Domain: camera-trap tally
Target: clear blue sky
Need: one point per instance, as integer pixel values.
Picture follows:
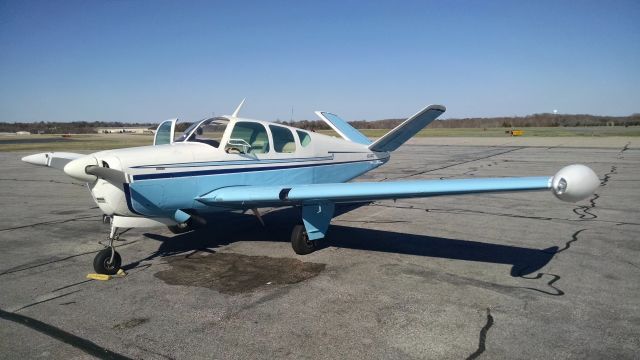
(145, 61)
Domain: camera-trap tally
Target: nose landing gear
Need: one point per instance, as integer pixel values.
(108, 261)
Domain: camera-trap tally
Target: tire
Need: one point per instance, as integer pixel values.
(180, 228)
(101, 262)
(300, 241)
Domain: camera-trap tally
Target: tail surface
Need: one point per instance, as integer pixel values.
(405, 131)
(343, 128)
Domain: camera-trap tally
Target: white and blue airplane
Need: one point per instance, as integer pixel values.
(230, 163)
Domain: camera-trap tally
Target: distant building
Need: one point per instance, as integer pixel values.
(119, 130)
(23, 133)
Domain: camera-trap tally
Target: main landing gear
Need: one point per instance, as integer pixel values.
(300, 241)
(315, 223)
(181, 227)
(108, 261)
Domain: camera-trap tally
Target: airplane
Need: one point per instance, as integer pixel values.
(230, 163)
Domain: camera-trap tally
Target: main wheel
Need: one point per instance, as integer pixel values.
(180, 228)
(103, 265)
(300, 241)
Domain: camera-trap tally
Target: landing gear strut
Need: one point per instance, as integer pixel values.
(108, 261)
(300, 241)
(181, 227)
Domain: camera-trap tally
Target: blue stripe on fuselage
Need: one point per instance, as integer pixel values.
(237, 170)
(232, 162)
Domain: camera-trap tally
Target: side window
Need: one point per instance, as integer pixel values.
(164, 133)
(248, 138)
(305, 138)
(283, 141)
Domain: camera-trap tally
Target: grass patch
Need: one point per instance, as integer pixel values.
(75, 142)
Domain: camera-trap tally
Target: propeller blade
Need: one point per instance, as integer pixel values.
(111, 175)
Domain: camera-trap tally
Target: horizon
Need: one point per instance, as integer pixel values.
(320, 120)
(146, 61)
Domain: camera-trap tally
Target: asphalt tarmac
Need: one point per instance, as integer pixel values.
(492, 276)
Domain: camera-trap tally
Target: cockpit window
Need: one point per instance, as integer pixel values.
(283, 141)
(248, 138)
(208, 132)
(305, 138)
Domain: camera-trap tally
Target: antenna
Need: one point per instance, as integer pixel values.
(235, 113)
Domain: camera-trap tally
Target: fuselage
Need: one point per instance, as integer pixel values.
(165, 178)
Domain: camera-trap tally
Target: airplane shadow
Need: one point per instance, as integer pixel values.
(230, 228)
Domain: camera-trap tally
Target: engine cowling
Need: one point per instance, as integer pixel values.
(574, 183)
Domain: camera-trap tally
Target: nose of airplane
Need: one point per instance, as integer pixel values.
(76, 168)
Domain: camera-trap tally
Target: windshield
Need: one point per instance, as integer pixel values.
(186, 133)
(208, 131)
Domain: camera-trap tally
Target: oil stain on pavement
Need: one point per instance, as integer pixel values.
(231, 273)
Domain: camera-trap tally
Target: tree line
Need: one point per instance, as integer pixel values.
(536, 120)
(75, 127)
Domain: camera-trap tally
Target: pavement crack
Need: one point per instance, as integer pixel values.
(374, 221)
(479, 212)
(71, 285)
(85, 345)
(464, 211)
(632, 264)
(46, 181)
(567, 245)
(19, 269)
(557, 291)
(625, 148)
(47, 299)
(483, 337)
(50, 222)
(550, 283)
(584, 211)
(456, 164)
(607, 176)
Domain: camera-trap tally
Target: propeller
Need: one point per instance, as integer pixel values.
(111, 175)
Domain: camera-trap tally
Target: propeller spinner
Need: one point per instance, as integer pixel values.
(86, 169)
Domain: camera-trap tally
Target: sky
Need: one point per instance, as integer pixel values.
(146, 61)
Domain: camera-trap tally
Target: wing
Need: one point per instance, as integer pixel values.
(571, 183)
(259, 196)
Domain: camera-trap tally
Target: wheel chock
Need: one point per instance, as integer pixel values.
(104, 277)
(101, 277)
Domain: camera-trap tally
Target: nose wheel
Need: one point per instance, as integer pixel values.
(108, 261)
